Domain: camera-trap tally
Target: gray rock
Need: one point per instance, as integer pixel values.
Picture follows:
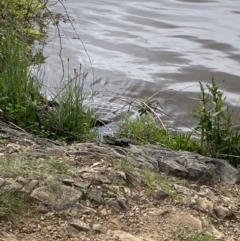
(61, 198)
(29, 186)
(79, 208)
(10, 185)
(96, 177)
(8, 237)
(189, 165)
(184, 164)
(96, 195)
(224, 213)
(118, 205)
(21, 180)
(99, 228)
(184, 190)
(159, 195)
(2, 182)
(79, 225)
(202, 204)
(186, 221)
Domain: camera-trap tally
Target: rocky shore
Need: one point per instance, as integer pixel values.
(96, 191)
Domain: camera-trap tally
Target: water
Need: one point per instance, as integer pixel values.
(140, 47)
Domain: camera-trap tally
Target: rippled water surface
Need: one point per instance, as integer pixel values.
(140, 47)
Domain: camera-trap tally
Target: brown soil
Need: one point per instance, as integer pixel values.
(150, 212)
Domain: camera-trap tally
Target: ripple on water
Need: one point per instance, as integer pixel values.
(139, 47)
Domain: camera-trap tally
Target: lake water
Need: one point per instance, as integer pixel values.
(140, 47)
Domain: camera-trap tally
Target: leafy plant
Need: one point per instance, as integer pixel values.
(219, 136)
(25, 16)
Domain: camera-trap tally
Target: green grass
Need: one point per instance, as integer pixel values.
(145, 130)
(19, 90)
(28, 168)
(189, 235)
(23, 104)
(13, 203)
(71, 119)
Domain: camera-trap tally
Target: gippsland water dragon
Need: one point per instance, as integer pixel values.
(113, 140)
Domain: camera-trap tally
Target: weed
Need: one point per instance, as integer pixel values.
(55, 188)
(24, 167)
(219, 136)
(71, 172)
(86, 194)
(125, 164)
(12, 168)
(211, 220)
(23, 104)
(145, 130)
(110, 194)
(19, 90)
(185, 183)
(71, 118)
(189, 235)
(149, 178)
(166, 187)
(59, 166)
(133, 177)
(13, 203)
(142, 129)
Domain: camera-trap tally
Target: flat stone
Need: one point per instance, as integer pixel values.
(96, 177)
(2, 181)
(8, 237)
(62, 198)
(184, 190)
(11, 185)
(96, 195)
(124, 236)
(79, 225)
(21, 180)
(159, 195)
(79, 208)
(99, 228)
(30, 186)
(186, 221)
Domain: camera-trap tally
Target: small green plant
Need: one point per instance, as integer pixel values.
(219, 136)
(211, 220)
(142, 129)
(111, 194)
(71, 172)
(87, 194)
(185, 183)
(190, 235)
